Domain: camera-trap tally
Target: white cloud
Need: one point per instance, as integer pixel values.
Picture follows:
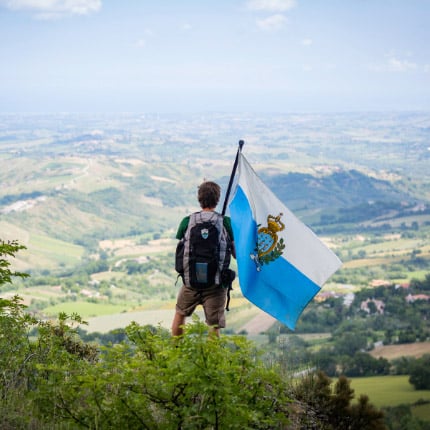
(49, 9)
(272, 5)
(307, 42)
(394, 64)
(272, 23)
(397, 65)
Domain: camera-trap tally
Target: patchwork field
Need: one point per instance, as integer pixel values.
(391, 352)
(242, 316)
(389, 390)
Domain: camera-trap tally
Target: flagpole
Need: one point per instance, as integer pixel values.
(233, 172)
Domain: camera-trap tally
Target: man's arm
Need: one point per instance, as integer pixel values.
(182, 228)
(228, 227)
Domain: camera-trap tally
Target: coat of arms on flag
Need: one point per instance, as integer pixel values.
(269, 246)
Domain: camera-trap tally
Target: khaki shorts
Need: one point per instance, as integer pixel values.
(212, 299)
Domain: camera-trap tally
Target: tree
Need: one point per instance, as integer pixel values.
(328, 407)
(420, 373)
(9, 249)
(401, 418)
(365, 416)
(424, 285)
(13, 326)
(372, 307)
(350, 343)
(363, 364)
(326, 361)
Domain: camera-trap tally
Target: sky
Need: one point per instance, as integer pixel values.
(173, 56)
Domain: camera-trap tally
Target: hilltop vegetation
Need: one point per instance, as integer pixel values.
(58, 381)
(52, 379)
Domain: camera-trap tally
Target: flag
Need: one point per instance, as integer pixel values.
(282, 264)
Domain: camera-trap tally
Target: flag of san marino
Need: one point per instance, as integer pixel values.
(282, 264)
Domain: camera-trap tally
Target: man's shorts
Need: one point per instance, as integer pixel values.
(212, 299)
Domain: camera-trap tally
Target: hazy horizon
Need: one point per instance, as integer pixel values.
(257, 56)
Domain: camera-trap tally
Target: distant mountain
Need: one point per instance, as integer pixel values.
(341, 189)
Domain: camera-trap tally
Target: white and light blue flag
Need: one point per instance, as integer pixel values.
(282, 264)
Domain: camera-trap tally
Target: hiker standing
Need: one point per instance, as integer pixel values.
(202, 260)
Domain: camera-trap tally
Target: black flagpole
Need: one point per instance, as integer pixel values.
(233, 172)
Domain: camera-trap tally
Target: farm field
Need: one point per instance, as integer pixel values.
(389, 390)
(390, 352)
(103, 315)
(242, 316)
(108, 322)
(84, 309)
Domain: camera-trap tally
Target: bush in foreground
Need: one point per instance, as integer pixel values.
(154, 381)
(149, 381)
(51, 379)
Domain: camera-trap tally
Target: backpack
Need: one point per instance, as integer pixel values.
(203, 255)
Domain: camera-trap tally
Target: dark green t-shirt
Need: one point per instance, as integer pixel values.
(184, 225)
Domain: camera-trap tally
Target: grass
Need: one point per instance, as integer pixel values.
(388, 390)
(13, 232)
(396, 246)
(43, 252)
(368, 262)
(107, 276)
(106, 323)
(85, 309)
(422, 412)
(239, 316)
(55, 249)
(414, 274)
(104, 317)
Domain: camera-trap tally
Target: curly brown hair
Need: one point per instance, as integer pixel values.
(209, 194)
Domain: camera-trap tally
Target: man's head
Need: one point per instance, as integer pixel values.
(208, 195)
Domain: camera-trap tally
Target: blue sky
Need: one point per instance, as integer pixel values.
(214, 55)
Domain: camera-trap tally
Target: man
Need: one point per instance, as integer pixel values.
(211, 297)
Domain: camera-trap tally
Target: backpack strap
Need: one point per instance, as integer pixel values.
(228, 277)
(227, 305)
